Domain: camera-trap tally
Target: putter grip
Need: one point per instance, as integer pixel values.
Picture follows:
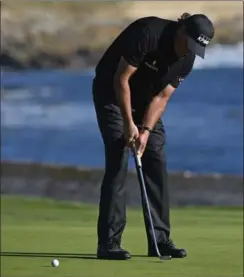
(137, 157)
(138, 160)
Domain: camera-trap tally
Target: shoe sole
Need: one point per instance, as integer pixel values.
(113, 258)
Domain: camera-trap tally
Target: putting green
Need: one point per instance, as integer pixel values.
(36, 230)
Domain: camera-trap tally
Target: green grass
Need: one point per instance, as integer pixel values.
(50, 229)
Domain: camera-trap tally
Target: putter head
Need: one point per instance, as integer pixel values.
(165, 258)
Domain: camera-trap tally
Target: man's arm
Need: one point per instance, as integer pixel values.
(135, 48)
(157, 107)
(159, 102)
(122, 88)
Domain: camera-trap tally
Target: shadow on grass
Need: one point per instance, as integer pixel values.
(49, 255)
(55, 255)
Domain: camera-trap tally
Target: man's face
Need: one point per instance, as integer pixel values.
(181, 42)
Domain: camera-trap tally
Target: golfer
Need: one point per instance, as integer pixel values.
(134, 81)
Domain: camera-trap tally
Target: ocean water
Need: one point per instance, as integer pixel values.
(48, 116)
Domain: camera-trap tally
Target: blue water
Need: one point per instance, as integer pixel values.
(48, 117)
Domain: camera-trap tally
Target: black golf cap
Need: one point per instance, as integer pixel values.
(200, 31)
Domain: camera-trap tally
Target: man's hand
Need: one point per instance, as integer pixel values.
(141, 142)
(131, 133)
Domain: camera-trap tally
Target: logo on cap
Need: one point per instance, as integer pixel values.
(203, 39)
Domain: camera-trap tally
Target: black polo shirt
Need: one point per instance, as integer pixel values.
(148, 45)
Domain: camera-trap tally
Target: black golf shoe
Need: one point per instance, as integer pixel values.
(167, 248)
(112, 251)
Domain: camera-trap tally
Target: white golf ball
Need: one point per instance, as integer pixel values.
(55, 263)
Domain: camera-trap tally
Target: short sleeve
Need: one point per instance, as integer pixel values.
(187, 68)
(177, 81)
(136, 46)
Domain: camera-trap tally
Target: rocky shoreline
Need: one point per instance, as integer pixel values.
(83, 185)
(80, 59)
(49, 36)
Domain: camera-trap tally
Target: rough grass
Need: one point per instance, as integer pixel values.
(36, 230)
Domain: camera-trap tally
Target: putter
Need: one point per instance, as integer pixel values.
(138, 164)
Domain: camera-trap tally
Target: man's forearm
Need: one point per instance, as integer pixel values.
(154, 111)
(124, 98)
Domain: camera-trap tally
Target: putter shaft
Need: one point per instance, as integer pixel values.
(143, 187)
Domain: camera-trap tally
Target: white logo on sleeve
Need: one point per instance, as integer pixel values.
(203, 39)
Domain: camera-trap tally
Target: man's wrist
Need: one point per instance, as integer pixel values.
(145, 128)
(128, 122)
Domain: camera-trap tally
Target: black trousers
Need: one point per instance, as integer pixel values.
(112, 208)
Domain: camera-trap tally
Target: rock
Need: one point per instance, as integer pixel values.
(8, 62)
(75, 35)
(45, 60)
